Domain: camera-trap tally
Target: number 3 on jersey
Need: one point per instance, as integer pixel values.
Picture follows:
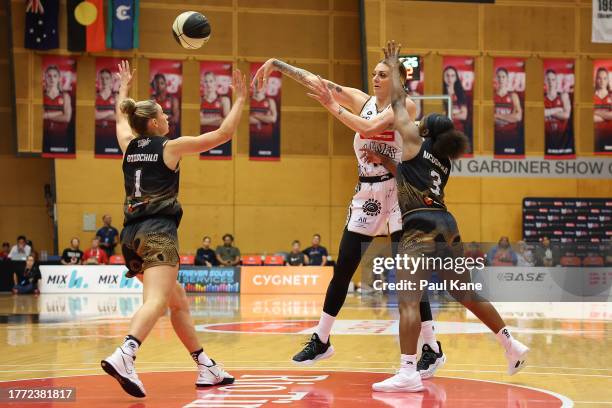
(437, 181)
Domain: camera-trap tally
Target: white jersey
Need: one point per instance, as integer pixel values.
(388, 143)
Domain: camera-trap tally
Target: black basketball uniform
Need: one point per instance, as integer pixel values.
(152, 211)
(428, 227)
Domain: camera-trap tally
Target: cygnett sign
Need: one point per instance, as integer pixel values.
(285, 279)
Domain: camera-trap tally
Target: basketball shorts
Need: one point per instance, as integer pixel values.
(374, 209)
(150, 242)
(432, 232)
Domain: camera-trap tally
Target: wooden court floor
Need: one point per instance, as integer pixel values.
(60, 339)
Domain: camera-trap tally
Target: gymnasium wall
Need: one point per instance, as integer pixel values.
(22, 180)
(487, 208)
(264, 204)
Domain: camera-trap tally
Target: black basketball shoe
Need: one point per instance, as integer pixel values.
(430, 361)
(314, 350)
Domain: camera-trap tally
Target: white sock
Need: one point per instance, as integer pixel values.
(325, 325)
(504, 338)
(429, 335)
(130, 346)
(408, 363)
(200, 357)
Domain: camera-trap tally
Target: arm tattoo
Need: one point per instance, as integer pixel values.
(298, 74)
(331, 85)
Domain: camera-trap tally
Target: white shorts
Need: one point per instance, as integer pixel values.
(374, 209)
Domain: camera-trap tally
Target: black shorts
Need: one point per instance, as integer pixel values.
(430, 232)
(150, 242)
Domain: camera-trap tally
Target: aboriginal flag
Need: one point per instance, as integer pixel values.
(86, 25)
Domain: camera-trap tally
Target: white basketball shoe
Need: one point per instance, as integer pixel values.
(401, 382)
(213, 375)
(516, 356)
(120, 365)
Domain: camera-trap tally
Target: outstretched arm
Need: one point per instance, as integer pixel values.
(402, 122)
(351, 98)
(124, 131)
(176, 148)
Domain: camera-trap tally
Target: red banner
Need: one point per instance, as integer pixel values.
(559, 83)
(215, 103)
(509, 99)
(166, 89)
(417, 88)
(458, 83)
(264, 118)
(107, 87)
(59, 77)
(602, 106)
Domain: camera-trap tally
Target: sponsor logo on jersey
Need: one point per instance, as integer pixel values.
(387, 136)
(144, 142)
(372, 207)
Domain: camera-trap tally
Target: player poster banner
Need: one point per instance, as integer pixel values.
(166, 89)
(458, 83)
(509, 100)
(602, 107)
(416, 87)
(59, 79)
(602, 21)
(264, 118)
(559, 83)
(215, 103)
(107, 87)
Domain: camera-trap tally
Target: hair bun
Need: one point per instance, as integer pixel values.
(128, 106)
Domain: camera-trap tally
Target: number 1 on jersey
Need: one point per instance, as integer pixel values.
(137, 192)
(437, 181)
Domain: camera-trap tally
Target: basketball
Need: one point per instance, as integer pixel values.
(191, 29)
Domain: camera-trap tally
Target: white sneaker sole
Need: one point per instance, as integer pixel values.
(386, 388)
(328, 354)
(128, 385)
(518, 363)
(425, 374)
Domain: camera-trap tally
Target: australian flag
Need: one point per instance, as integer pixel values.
(122, 28)
(41, 32)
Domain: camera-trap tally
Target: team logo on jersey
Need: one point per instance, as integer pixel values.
(372, 207)
(144, 142)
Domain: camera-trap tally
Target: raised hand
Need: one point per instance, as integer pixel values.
(125, 76)
(239, 85)
(260, 79)
(320, 92)
(392, 52)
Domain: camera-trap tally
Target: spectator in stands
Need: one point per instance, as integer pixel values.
(546, 254)
(473, 252)
(296, 257)
(6, 249)
(316, 253)
(524, 256)
(502, 254)
(206, 256)
(95, 255)
(72, 255)
(108, 236)
(29, 282)
(227, 254)
(33, 252)
(21, 250)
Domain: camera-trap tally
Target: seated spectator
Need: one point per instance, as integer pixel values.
(473, 252)
(108, 236)
(524, 256)
(95, 255)
(316, 253)
(21, 250)
(29, 282)
(6, 249)
(72, 255)
(206, 256)
(502, 254)
(546, 254)
(227, 254)
(33, 252)
(296, 257)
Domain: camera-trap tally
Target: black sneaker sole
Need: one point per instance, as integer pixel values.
(329, 353)
(127, 385)
(226, 381)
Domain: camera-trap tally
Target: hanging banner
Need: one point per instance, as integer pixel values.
(602, 22)
(602, 107)
(264, 118)
(215, 103)
(107, 87)
(458, 83)
(59, 77)
(166, 89)
(415, 81)
(509, 99)
(558, 109)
